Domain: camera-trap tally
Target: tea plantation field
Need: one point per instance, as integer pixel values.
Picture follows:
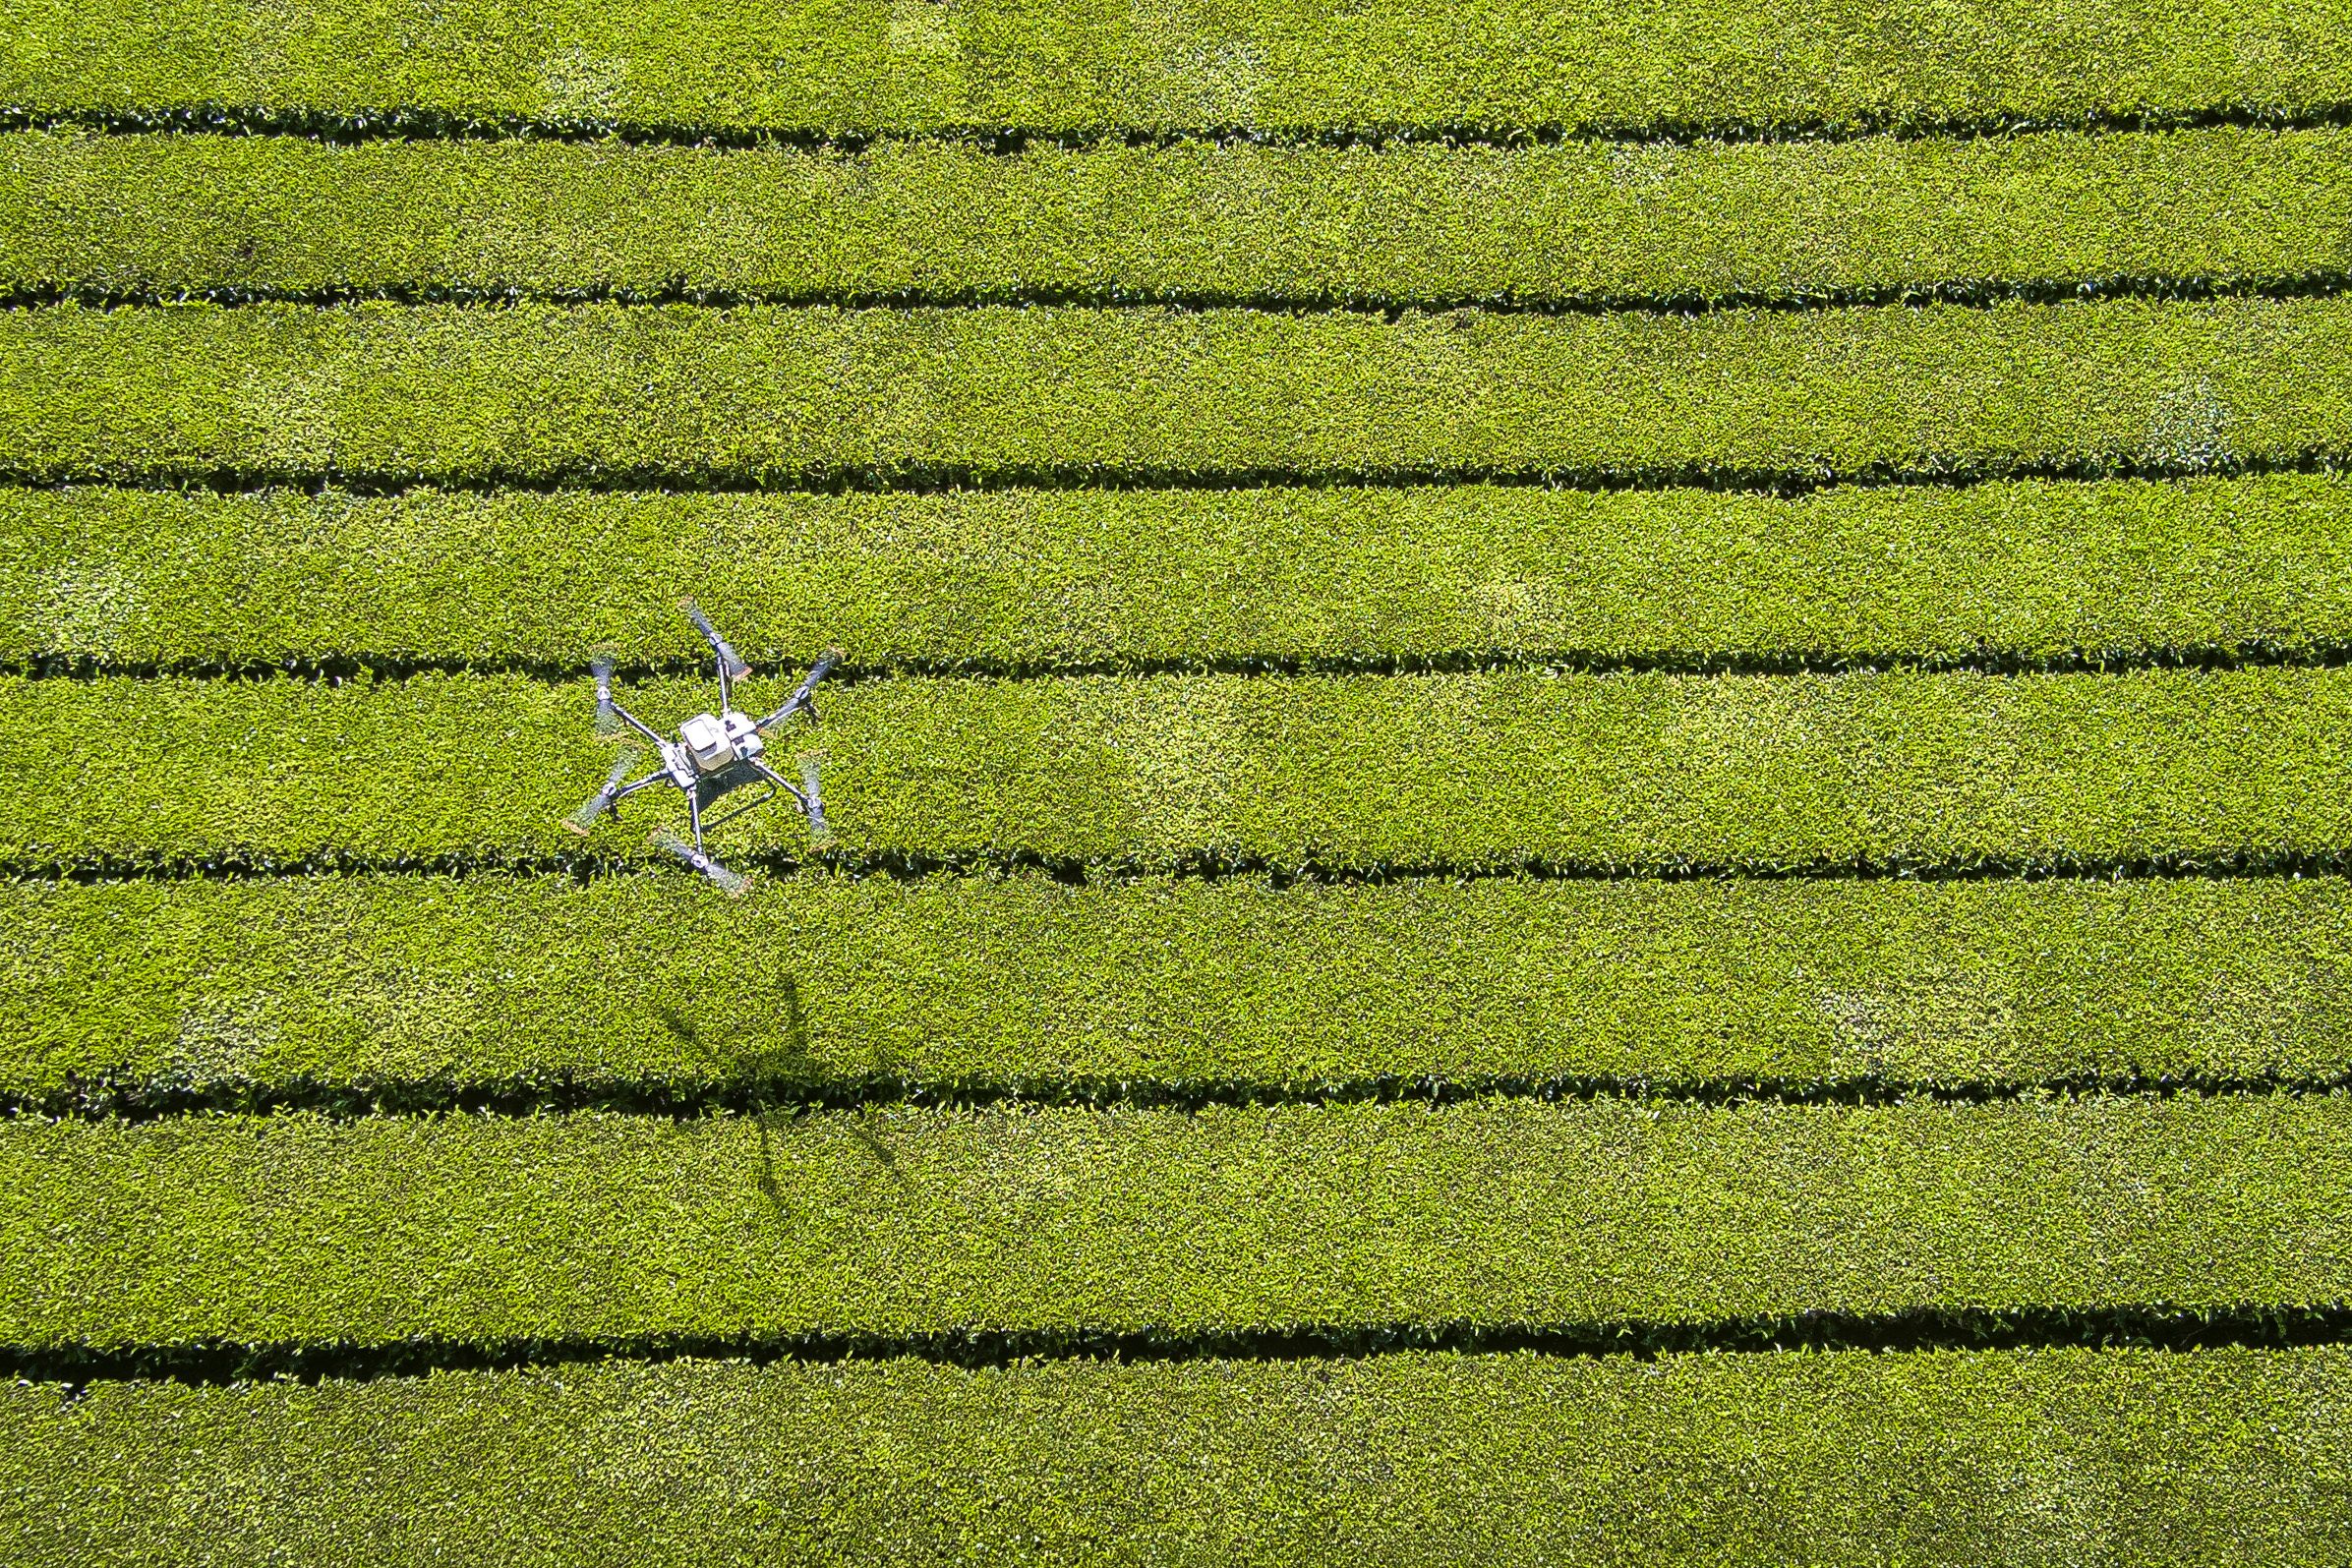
(1590, 790)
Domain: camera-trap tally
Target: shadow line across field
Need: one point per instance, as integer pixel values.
(341, 668)
(1944, 471)
(390, 123)
(1980, 293)
(2111, 1327)
(769, 1091)
(1198, 866)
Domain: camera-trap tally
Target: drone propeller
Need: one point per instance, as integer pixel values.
(601, 802)
(815, 802)
(608, 722)
(731, 883)
(729, 660)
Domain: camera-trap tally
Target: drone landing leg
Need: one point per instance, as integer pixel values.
(658, 775)
(811, 807)
(777, 779)
(694, 812)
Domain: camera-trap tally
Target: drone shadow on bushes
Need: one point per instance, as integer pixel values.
(772, 1076)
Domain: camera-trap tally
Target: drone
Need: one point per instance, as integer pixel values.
(713, 755)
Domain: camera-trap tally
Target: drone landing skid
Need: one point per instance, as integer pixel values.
(713, 788)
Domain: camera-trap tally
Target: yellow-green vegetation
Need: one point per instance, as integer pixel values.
(682, 394)
(1019, 581)
(420, 989)
(1625, 773)
(2019, 1457)
(918, 1221)
(859, 65)
(1591, 783)
(1574, 221)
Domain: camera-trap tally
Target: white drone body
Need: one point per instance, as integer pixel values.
(714, 753)
(709, 742)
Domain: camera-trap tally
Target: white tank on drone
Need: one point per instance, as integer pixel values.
(720, 741)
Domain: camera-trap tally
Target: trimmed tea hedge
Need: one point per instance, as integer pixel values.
(162, 214)
(822, 984)
(898, 1220)
(2222, 1456)
(1027, 580)
(146, 1248)
(1276, 64)
(1627, 773)
(684, 394)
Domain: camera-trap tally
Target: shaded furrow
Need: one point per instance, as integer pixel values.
(337, 669)
(100, 1096)
(164, 868)
(1966, 293)
(408, 124)
(1976, 1331)
(1936, 472)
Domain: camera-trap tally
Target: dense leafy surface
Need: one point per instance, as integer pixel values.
(904, 1220)
(1029, 579)
(592, 374)
(2052, 1458)
(1580, 220)
(446, 392)
(1278, 64)
(1351, 771)
(824, 983)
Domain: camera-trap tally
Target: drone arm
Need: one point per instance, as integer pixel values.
(638, 724)
(731, 663)
(802, 698)
(583, 821)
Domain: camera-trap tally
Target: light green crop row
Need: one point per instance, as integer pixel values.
(2038, 1458)
(1348, 771)
(648, 982)
(1029, 580)
(1276, 64)
(164, 213)
(898, 1220)
(443, 392)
